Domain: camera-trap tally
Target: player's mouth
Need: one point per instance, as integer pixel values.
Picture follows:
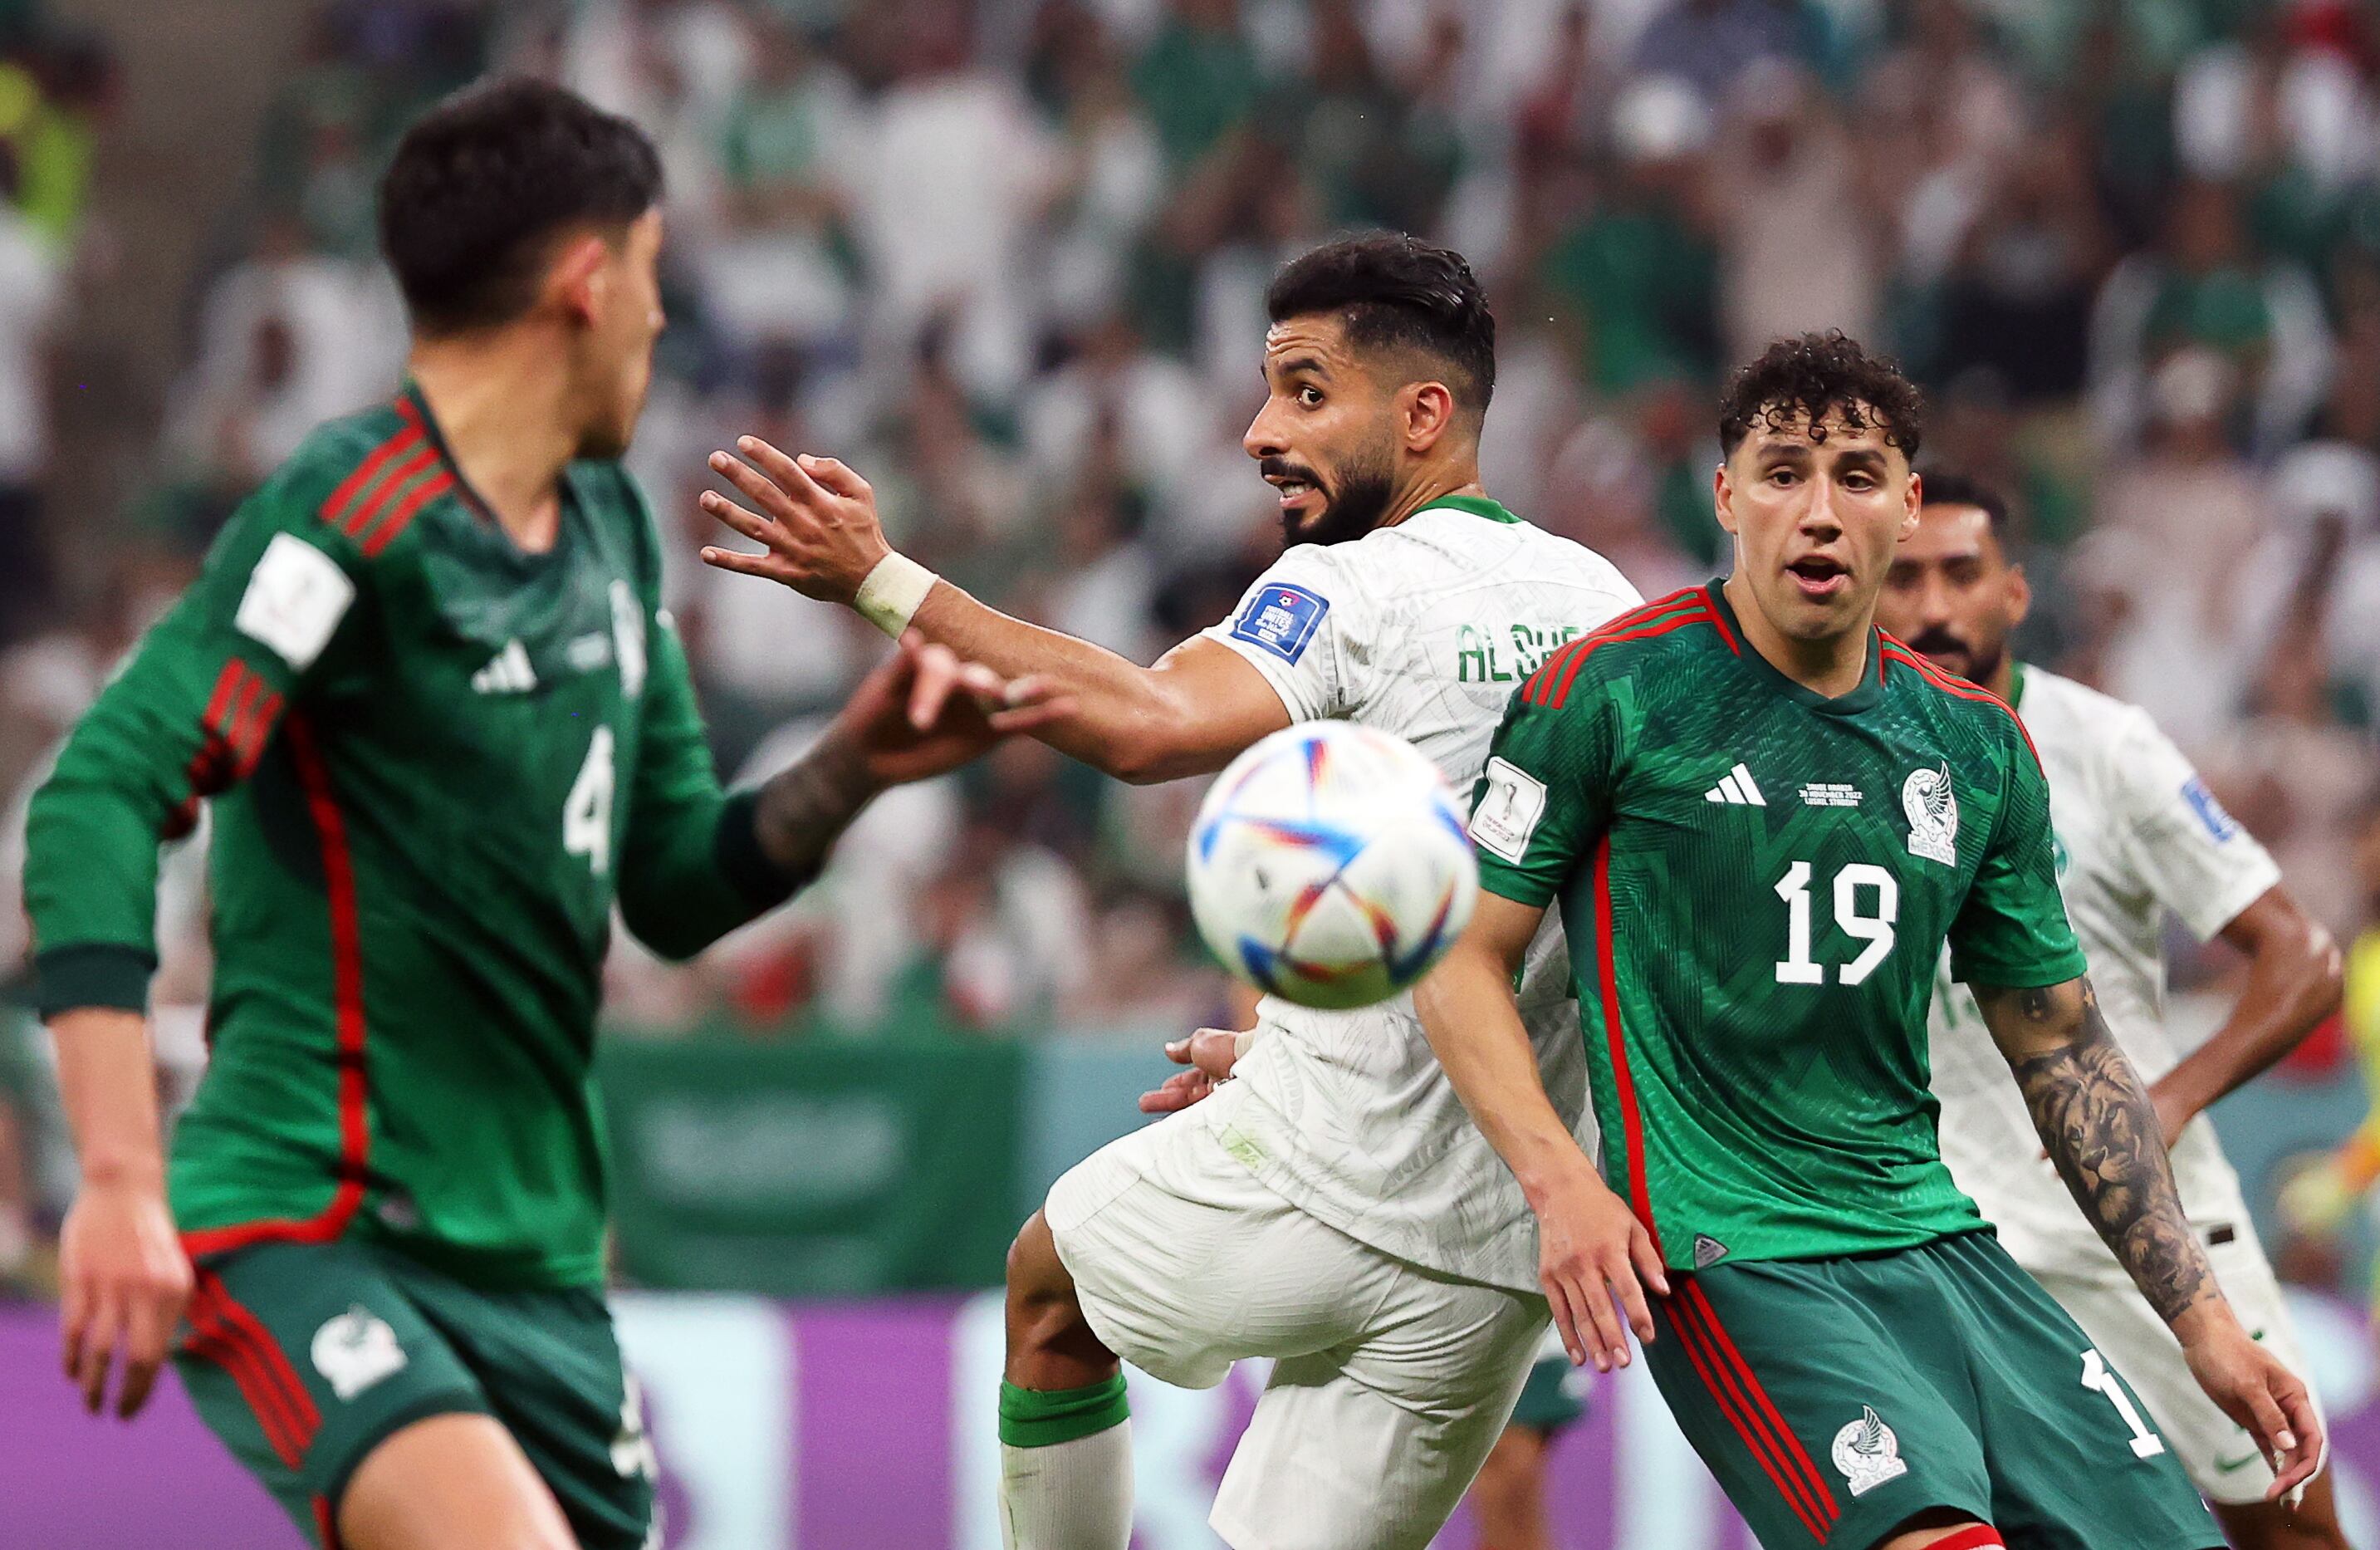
(1821, 578)
(1300, 496)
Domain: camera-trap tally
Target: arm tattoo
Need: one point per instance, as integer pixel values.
(2102, 1131)
(805, 807)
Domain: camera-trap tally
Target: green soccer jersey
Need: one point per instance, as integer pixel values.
(438, 762)
(1756, 883)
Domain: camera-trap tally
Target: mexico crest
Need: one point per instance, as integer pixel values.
(1867, 1452)
(1933, 812)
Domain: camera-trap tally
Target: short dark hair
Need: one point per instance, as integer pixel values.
(483, 183)
(1397, 292)
(1949, 487)
(1816, 375)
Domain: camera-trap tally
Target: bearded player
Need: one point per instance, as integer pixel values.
(2136, 834)
(1332, 1208)
(446, 727)
(1763, 821)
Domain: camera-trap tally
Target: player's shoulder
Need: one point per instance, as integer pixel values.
(2057, 708)
(1951, 702)
(1640, 645)
(343, 485)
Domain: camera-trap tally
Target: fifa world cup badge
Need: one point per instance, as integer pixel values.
(1867, 1452)
(1933, 812)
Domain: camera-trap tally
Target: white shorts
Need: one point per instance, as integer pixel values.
(1389, 1383)
(2218, 1451)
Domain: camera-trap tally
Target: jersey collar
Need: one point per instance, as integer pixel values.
(472, 500)
(1871, 681)
(1477, 505)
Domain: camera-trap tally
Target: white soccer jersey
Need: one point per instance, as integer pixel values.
(2137, 833)
(1423, 630)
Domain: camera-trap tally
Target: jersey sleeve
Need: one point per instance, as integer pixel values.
(189, 715)
(2012, 931)
(1546, 795)
(1302, 626)
(691, 867)
(2193, 857)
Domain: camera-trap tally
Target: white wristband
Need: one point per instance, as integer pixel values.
(893, 593)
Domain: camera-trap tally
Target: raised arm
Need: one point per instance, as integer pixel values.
(1591, 1249)
(2101, 1130)
(1190, 713)
(2295, 980)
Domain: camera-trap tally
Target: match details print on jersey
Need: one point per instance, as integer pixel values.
(1754, 879)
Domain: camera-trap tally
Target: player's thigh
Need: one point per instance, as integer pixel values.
(1371, 1446)
(2076, 1462)
(549, 1365)
(303, 1359)
(1183, 1262)
(450, 1483)
(2220, 1456)
(1801, 1387)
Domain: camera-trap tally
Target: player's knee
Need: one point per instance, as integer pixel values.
(1514, 1473)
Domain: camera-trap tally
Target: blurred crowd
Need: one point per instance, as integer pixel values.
(1007, 259)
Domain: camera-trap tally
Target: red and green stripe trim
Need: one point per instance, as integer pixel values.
(234, 729)
(227, 1334)
(1949, 683)
(1744, 1402)
(388, 489)
(349, 1019)
(1615, 1040)
(1551, 685)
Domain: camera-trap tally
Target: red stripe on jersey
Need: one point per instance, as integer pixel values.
(1809, 1472)
(1560, 695)
(1975, 1536)
(1607, 965)
(1718, 619)
(377, 498)
(348, 1000)
(1531, 691)
(1952, 684)
(326, 1526)
(336, 509)
(1756, 1442)
(396, 520)
(259, 1340)
(213, 1339)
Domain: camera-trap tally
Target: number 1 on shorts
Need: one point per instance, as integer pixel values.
(2095, 1375)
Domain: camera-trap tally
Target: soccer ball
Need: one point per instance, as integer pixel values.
(1329, 865)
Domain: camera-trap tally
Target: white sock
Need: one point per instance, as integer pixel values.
(1070, 1495)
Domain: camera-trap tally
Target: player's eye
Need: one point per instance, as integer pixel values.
(1309, 397)
(1782, 475)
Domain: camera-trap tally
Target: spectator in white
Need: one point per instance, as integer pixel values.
(1799, 244)
(31, 293)
(1151, 407)
(781, 142)
(1110, 170)
(2203, 286)
(2250, 107)
(287, 339)
(945, 187)
(2194, 508)
(2333, 483)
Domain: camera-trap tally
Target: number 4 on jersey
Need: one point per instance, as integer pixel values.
(586, 811)
(1799, 968)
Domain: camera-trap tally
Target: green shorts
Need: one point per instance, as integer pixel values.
(303, 1358)
(1834, 1399)
(1555, 1395)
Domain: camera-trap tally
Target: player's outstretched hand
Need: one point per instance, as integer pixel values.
(923, 712)
(124, 1281)
(2255, 1390)
(1209, 1055)
(814, 519)
(1593, 1252)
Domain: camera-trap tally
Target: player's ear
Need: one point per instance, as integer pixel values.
(1722, 493)
(581, 280)
(1915, 495)
(2019, 594)
(1428, 412)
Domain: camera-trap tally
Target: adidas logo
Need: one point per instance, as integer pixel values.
(507, 673)
(1737, 789)
(1708, 1251)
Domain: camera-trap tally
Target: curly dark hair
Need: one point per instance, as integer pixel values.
(1398, 292)
(1816, 375)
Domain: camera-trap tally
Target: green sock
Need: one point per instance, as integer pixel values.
(1043, 1418)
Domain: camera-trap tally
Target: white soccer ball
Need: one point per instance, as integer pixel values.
(1329, 865)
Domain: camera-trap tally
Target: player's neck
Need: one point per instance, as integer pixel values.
(1433, 485)
(501, 409)
(1831, 665)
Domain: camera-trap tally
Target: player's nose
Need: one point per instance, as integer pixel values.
(1263, 438)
